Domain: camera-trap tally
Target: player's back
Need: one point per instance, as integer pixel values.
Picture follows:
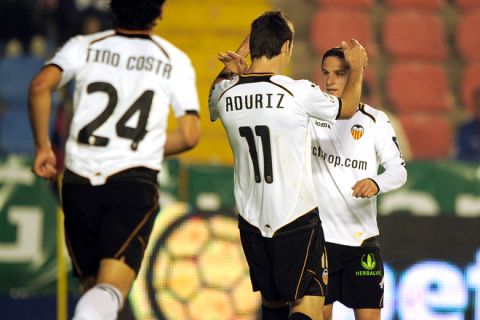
(124, 85)
(267, 125)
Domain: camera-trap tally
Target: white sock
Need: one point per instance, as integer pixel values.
(102, 302)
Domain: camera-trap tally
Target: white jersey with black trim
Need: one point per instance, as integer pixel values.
(124, 87)
(344, 153)
(266, 118)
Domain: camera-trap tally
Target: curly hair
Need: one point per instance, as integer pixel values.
(136, 14)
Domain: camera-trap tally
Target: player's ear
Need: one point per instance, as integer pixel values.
(286, 47)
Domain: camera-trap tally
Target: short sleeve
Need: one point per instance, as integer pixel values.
(184, 90)
(68, 59)
(318, 104)
(215, 94)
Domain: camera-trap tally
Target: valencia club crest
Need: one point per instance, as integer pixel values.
(357, 131)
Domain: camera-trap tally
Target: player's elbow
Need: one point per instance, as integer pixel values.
(191, 137)
(45, 81)
(37, 86)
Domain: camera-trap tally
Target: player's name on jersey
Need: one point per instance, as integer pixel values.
(254, 101)
(130, 63)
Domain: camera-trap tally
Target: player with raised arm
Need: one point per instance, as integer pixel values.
(346, 156)
(266, 117)
(125, 81)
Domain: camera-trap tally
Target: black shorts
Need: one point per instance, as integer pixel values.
(113, 220)
(290, 265)
(356, 275)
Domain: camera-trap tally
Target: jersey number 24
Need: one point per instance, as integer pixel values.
(142, 104)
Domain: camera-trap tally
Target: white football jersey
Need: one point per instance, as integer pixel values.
(266, 117)
(124, 86)
(344, 153)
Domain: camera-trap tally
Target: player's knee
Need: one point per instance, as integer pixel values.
(279, 313)
(299, 316)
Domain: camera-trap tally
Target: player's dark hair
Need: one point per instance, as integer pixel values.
(334, 52)
(135, 14)
(268, 34)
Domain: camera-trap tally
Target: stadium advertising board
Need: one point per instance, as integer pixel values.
(27, 231)
(194, 269)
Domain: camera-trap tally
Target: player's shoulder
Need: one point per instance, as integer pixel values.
(94, 37)
(376, 115)
(287, 81)
(86, 40)
(172, 51)
(299, 88)
(224, 85)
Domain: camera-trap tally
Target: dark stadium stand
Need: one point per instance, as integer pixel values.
(15, 75)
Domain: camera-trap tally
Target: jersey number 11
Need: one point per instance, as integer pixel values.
(264, 133)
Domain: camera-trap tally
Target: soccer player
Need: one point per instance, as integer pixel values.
(346, 156)
(266, 117)
(125, 81)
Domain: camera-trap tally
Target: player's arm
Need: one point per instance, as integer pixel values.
(185, 137)
(39, 108)
(234, 62)
(357, 59)
(395, 174)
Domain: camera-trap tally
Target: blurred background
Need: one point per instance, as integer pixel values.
(424, 71)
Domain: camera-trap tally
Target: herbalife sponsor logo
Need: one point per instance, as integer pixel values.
(368, 263)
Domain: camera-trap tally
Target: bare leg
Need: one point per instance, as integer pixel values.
(367, 314)
(311, 306)
(116, 273)
(328, 312)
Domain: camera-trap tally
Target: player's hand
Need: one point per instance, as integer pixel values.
(45, 163)
(233, 62)
(355, 54)
(244, 48)
(364, 188)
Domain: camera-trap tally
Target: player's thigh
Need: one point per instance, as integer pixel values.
(257, 251)
(300, 261)
(80, 204)
(311, 306)
(367, 314)
(362, 284)
(129, 211)
(336, 268)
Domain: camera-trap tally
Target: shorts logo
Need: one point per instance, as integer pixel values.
(357, 131)
(368, 263)
(325, 276)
